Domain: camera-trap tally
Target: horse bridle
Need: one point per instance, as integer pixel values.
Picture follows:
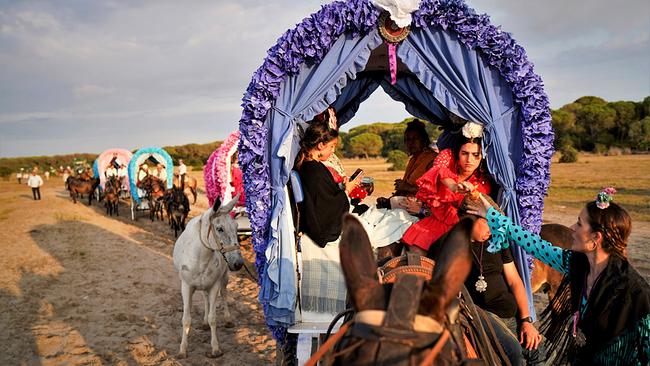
(222, 249)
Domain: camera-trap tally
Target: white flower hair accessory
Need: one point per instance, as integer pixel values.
(472, 130)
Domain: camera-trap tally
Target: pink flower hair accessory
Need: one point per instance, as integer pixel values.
(605, 197)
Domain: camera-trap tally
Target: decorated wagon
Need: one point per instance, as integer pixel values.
(223, 180)
(150, 173)
(444, 62)
(113, 162)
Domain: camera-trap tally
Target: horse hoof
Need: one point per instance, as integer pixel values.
(229, 324)
(182, 355)
(215, 354)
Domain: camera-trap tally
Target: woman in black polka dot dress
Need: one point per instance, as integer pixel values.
(600, 314)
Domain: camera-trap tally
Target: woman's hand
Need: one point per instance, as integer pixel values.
(412, 205)
(529, 336)
(478, 207)
(465, 187)
(350, 185)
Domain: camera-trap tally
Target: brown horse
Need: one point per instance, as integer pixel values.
(112, 196)
(189, 183)
(389, 330)
(78, 186)
(544, 277)
(154, 192)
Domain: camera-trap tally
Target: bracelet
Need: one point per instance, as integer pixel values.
(526, 320)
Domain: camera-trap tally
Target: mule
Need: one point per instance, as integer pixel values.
(78, 186)
(178, 207)
(189, 182)
(154, 191)
(389, 330)
(544, 277)
(112, 196)
(203, 254)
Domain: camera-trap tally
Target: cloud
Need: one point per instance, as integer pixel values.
(171, 73)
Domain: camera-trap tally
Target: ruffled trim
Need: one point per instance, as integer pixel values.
(139, 157)
(624, 349)
(499, 226)
(217, 170)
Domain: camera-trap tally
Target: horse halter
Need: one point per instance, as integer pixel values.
(221, 248)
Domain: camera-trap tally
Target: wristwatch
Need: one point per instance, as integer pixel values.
(526, 320)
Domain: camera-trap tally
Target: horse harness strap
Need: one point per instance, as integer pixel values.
(421, 324)
(329, 344)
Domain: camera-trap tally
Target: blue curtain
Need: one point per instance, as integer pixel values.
(301, 97)
(466, 85)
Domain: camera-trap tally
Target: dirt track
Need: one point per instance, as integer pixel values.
(80, 288)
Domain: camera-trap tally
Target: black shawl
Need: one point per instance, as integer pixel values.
(324, 204)
(614, 322)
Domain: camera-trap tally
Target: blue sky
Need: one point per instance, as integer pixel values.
(84, 76)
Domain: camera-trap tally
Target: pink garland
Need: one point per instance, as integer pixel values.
(217, 169)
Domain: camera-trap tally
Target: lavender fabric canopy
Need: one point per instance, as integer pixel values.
(454, 59)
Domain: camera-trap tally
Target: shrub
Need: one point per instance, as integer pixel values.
(600, 149)
(398, 158)
(569, 154)
(614, 151)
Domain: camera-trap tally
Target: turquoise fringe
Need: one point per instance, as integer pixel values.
(624, 349)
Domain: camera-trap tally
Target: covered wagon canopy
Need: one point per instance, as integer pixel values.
(121, 156)
(217, 170)
(451, 60)
(155, 154)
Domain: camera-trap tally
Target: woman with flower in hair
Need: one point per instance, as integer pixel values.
(455, 172)
(601, 312)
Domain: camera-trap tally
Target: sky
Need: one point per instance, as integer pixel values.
(85, 76)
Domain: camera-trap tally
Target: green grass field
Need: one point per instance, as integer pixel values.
(571, 184)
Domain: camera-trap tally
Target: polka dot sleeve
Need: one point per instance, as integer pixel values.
(504, 231)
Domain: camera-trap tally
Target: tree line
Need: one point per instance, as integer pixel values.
(592, 124)
(194, 155)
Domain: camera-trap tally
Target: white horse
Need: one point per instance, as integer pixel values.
(202, 256)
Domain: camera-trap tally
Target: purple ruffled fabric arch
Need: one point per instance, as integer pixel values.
(310, 40)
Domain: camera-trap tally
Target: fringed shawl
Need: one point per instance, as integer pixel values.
(615, 321)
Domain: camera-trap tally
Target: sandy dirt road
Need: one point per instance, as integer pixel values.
(80, 288)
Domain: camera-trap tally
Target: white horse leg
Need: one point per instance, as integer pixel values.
(212, 320)
(186, 292)
(206, 301)
(224, 297)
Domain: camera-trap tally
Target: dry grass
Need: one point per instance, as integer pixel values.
(571, 184)
(576, 183)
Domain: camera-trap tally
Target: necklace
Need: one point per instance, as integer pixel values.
(480, 284)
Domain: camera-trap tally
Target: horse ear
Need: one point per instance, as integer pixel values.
(229, 206)
(217, 204)
(452, 268)
(359, 267)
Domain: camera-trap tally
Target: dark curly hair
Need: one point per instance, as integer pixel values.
(318, 132)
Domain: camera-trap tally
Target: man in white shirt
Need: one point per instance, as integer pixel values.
(182, 169)
(122, 173)
(35, 182)
(161, 173)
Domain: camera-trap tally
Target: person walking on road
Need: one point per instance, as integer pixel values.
(35, 182)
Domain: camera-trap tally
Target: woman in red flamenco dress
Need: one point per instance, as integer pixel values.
(455, 172)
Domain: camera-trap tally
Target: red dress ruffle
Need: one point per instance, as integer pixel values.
(441, 200)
